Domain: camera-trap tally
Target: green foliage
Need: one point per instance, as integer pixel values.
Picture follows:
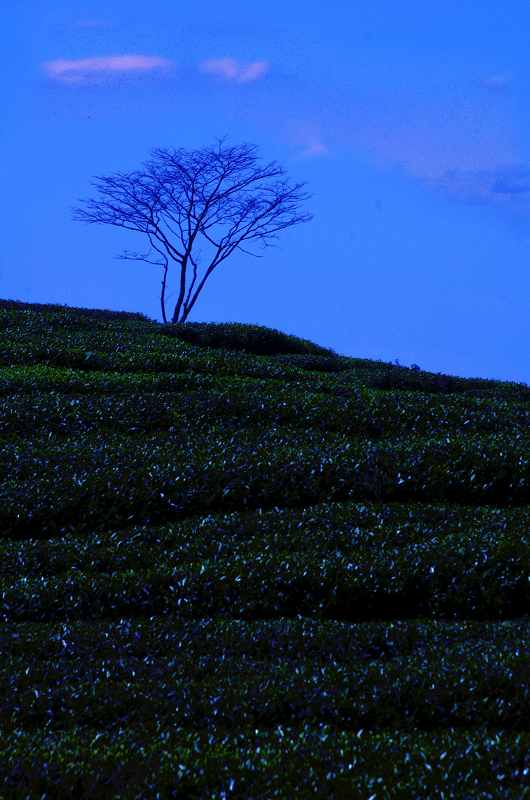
(332, 565)
(236, 564)
(67, 315)
(255, 339)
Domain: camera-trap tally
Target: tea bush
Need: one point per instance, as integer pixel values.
(236, 564)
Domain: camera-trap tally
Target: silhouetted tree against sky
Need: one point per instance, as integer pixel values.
(184, 200)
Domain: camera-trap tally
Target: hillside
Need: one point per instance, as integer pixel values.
(235, 564)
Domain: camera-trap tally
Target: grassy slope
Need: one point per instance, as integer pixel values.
(279, 571)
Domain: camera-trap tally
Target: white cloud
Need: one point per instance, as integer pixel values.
(80, 70)
(231, 70)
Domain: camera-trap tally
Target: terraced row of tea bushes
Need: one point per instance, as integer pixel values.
(268, 639)
(256, 339)
(367, 412)
(31, 334)
(36, 379)
(126, 358)
(98, 340)
(418, 413)
(149, 356)
(25, 415)
(53, 333)
(453, 685)
(329, 529)
(54, 328)
(389, 377)
(471, 575)
(111, 481)
(72, 314)
(293, 760)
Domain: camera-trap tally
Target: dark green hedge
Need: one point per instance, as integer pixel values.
(256, 339)
(69, 311)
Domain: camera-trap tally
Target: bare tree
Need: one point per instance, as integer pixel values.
(216, 197)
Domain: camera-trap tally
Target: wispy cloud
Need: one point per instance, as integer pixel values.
(467, 148)
(499, 186)
(231, 70)
(306, 135)
(82, 70)
(472, 186)
(515, 180)
(315, 149)
(498, 83)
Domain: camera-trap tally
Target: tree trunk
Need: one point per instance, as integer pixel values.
(178, 304)
(187, 308)
(163, 295)
(185, 314)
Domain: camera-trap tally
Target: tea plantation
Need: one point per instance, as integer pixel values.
(234, 564)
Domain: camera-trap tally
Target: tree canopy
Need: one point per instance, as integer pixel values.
(196, 207)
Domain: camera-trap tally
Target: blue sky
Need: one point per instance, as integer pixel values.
(411, 127)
